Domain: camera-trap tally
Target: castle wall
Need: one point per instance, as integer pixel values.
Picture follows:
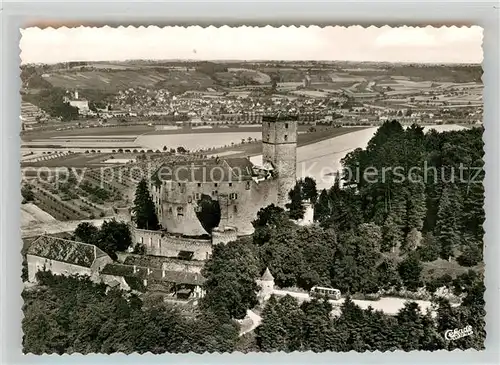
(223, 235)
(176, 201)
(99, 263)
(158, 243)
(177, 266)
(108, 279)
(239, 200)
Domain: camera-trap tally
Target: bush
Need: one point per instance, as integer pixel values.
(470, 257)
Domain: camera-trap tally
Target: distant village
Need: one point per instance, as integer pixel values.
(427, 103)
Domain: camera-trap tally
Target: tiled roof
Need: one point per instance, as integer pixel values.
(59, 249)
(213, 170)
(178, 277)
(267, 275)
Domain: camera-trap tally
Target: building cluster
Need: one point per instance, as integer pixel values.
(213, 106)
(173, 257)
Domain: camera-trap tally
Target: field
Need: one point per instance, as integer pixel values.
(32, 214)
(113, 80)
(239, 73)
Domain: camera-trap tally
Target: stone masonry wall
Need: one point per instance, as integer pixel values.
(239, 202)
(224, 235)
(279, 148)
(158, 243)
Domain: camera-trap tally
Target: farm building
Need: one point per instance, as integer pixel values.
(64, 257)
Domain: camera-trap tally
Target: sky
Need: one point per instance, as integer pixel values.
(385, 44)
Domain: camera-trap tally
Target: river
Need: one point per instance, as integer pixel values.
(322, 159)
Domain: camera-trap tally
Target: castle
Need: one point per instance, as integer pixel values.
(240, 187)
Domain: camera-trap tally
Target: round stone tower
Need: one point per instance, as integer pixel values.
(279, 150)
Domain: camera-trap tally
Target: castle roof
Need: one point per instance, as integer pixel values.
(213, 170)
(267, 275)
(59, 249)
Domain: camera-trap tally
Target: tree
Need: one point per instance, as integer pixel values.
(447, 229)
(269, 220)
(472, 254)
(394, 225)
(387, 275)
(86, 232)
(144, 208)
(72, 314)
(323, 206)
(27, 193)
(413, 239)
(409, 270)
(296, 207)
(416, 209)
(430, 249)
(230, 286)
(309, 191)
(114, 236)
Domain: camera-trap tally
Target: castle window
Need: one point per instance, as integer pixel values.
(170, 210)
(235, 208)
(247, 185)
(197, 196)
(180, 211)
(286, 137)
(286, 125)
(230, 184)
(199, 185)
(190, 199)
(268, 136)
(215, 184)
(233, 196)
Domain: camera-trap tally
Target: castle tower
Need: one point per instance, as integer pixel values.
(266, 284)
(279, 150)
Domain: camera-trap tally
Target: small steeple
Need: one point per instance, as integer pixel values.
(267, 275)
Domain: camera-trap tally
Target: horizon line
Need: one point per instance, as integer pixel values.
(436, 63)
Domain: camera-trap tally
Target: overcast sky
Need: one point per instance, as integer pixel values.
(445, 44)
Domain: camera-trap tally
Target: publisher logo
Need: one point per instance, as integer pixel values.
(455, 334)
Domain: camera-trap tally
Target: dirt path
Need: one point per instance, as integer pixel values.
(32, 214)
(256, 320)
